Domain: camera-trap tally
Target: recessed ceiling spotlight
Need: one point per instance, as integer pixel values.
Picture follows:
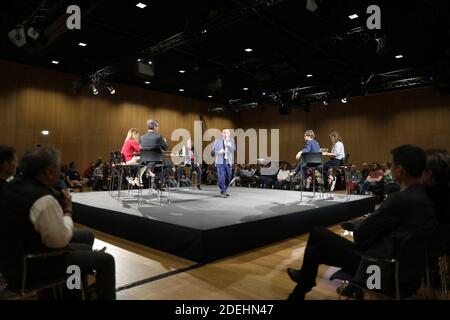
(141, 5)
(248, 50)
(399, 56)
(55, 62)
(45, 132)
(209, 96)
(309, 75)
(82, 44)
(353, 16)
(181, 90)
(181, 71)
(245, 89)
(147, 82)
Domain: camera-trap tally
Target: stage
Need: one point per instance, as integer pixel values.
(201, 226)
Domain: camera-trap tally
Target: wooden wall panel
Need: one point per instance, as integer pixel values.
(371, 126)
(84, 126)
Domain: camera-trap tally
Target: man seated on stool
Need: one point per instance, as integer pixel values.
(311, 146)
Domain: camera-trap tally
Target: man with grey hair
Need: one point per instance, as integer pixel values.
(40, 217)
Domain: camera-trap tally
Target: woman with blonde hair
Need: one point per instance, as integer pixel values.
(131, 147)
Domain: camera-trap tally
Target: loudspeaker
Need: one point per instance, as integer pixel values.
(145, 70)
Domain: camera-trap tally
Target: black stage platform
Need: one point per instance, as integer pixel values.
(201, 226)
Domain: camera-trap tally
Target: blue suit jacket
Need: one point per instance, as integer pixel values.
(220, 158)
(311, 146)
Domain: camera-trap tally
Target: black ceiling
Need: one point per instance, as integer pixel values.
(288, 42)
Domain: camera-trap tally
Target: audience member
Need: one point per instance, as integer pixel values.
(41, 218)
(406, 213)
(8, 164)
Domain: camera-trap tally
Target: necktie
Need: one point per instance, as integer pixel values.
(225, 156)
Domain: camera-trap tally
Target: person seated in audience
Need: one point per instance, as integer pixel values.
(365, 171)
(247, 176)
(283, 177)
(268, 175)
(436, 178)
(235, 174)
(98, 175)
(8, 164)
(74, 179)
(355, 178)
(211, 175)
(375, 176)
(41, 218)
(406, 213)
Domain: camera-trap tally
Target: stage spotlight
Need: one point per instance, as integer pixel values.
(76, 87)
(17, 36)
(326, 102)
(32, 33)
(344, 100)
(94, 89)
(110, 89)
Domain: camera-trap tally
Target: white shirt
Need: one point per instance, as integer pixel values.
(49, 221)
(283, 174)
(338, 150)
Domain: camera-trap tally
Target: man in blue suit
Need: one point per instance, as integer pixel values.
(311, 146)
(224, 152)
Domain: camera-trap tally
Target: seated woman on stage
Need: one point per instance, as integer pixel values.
(131, 150)
(131, 147)
(337, 153)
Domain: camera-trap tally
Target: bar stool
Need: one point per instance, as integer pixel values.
(311, 160)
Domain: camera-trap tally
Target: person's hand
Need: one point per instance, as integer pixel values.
(222, 151)
(298, 155)
(67, 200)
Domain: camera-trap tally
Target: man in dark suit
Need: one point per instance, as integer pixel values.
(406, 213)
(152, 146)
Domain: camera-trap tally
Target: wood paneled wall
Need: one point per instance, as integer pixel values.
(371, 126)
(84, 126)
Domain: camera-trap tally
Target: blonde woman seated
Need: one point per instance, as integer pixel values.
(131, 151)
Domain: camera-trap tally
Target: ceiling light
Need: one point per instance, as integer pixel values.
(82, 44)
(245, 89)
(204, 31)
(344, 100)
(248, 50)
(55, 61)
(139, 60)
(94, 89)
(209, 96)
(149, 62)
(45, 132)
(111, 89)
(263, 93)
(353, 16)
(181, 90)
(147, 82)
(399, 56)
(309, 75)
(181, 71)
(141, 5)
